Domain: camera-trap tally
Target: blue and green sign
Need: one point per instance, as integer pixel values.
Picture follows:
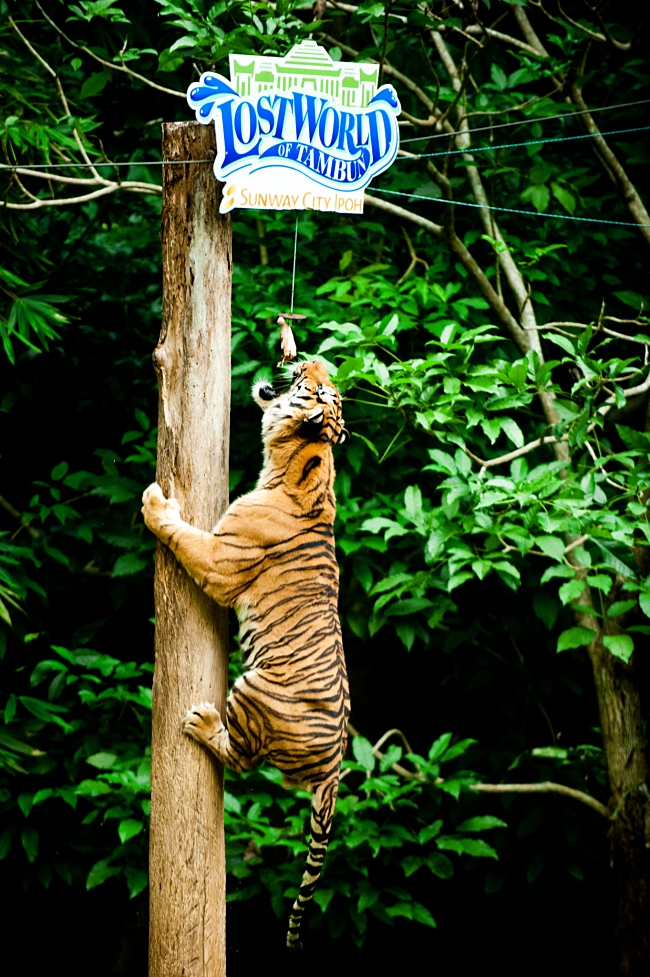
(299, 132)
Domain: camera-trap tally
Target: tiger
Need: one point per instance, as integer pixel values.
(272, 558)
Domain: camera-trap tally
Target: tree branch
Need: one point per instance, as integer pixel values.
(397, 211)
(7, 506)
(612, 166)
(66, 201)
(546, 787)
(524, 450)
(414, 258)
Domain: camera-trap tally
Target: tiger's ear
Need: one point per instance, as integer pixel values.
(263, 393)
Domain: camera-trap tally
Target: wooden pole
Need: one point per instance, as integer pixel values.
(192, 361)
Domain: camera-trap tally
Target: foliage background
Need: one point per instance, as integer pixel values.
(443, 631)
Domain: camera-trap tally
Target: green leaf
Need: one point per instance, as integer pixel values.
(29, 838)
(540, 197)
(323, 897)
(137, 880)
(412, 863)
(498, 76)
(420, 914)
(129, 828)
(100, 871)
(17, 746)
(475, 847)
(367, 899)
(513, 431)
(129, 563)
(59, 471)
(392, 755)
(440, 745)
(571, 590)
(567, 199)
(484, 823)
(429, 832)
(644, 602)
(545, 607)
(103, 761)
(440, 865)
(362, 749)
(6, 842)
(611, 560)
(620, 645)
(231, 803)
(94, 84)
(92, 788)
(561, 341)
(620, 607)
(632, 299)
(553, 546)
(575, 638)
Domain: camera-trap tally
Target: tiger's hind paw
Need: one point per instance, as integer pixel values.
(202, 722)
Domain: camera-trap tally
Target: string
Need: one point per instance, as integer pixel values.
(509, 210)
(295, 252)
(81, 166)
(442, 135)
(525, 120)
(530, 142)
(439, 135)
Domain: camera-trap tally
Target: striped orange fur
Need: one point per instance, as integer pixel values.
(272, 558)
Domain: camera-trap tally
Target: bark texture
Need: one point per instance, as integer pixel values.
(626, 753)
(192, 361)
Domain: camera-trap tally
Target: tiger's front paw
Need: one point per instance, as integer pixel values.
(202, 722)
(161, 515)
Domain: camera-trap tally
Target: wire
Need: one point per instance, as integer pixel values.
(524, 121)
(81, 166)
(531, 142)
(440, 135)
(509, 210)
(295, 252)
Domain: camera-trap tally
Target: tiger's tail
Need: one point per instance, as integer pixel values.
(322, 814)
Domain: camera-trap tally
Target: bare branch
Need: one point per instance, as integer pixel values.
(414, 258)
(15, 514)
(594, 35)
(612, 166)
(397, 767)
(66, 201)
(526, 29)
(498, 36)
(546, 787)
(30, 48)
(576, 542)
(557, 327)
(630, 392)
(56, 177)
(404, 214)
(517, 453)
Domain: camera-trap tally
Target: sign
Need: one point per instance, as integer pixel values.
(302, 132)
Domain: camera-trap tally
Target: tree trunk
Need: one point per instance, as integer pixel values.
(624, 742)
(626, 756)
(192, 361)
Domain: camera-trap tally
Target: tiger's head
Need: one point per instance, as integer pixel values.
(309, 409)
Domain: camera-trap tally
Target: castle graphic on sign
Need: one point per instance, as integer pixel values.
(302, 132)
